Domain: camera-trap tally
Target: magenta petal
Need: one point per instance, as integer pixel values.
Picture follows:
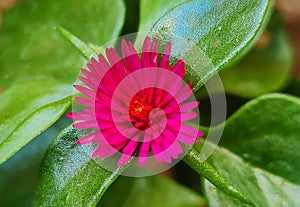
(104, 151)
(145, 59)
(184, 93)
(80, 116)
(154, 54)
(130, 147)
(85, 101)
(86, 124)
(123, 160)
(164, 63)
(117, 139)
(178, 68)
(174, 150)
(130, 57)
(87, 139)
(103, 66)
(143, 155)
(88, 83)
(189, 106)
(186, 139)
(189, 130)
(85, 91)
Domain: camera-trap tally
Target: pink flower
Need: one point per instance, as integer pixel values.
(139, 105)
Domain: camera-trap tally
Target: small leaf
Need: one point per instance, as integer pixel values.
(267, 68)
(148, 192)
(220, 30)
(27, 109)
(69, 176)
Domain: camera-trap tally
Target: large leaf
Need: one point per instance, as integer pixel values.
(221, 30)
(18, 176)
(27, 109)
(265, 134)
(267, 68)
(33, 49)
(69, 176)
(148, 192)
(265, 189)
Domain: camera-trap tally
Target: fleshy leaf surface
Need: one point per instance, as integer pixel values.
(69, 176)
(265, 69)
(206, 34)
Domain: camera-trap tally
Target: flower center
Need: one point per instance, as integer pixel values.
(139, 110)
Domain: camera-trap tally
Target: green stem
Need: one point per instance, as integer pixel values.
(210, 173)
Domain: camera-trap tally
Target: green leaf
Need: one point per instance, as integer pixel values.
(27, 109)
(34, 50)
(220, 30)
(86, 51)
(267, 68)
(264, 188)
(148, 192)
(205, 169)
(68, 176)
(264, 133)
(18, 176)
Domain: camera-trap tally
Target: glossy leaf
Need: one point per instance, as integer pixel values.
(264, 133)
(34, 50)
(148, 192)
(220, 30)
(264, 188)
(270, 136)
(68, 176)
(267, 68)
(211, 173)
(27, 109)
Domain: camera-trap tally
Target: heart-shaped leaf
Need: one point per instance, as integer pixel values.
(267, 68)
(33, 49)
(161, 191)
(220, 30)
(69, 176)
